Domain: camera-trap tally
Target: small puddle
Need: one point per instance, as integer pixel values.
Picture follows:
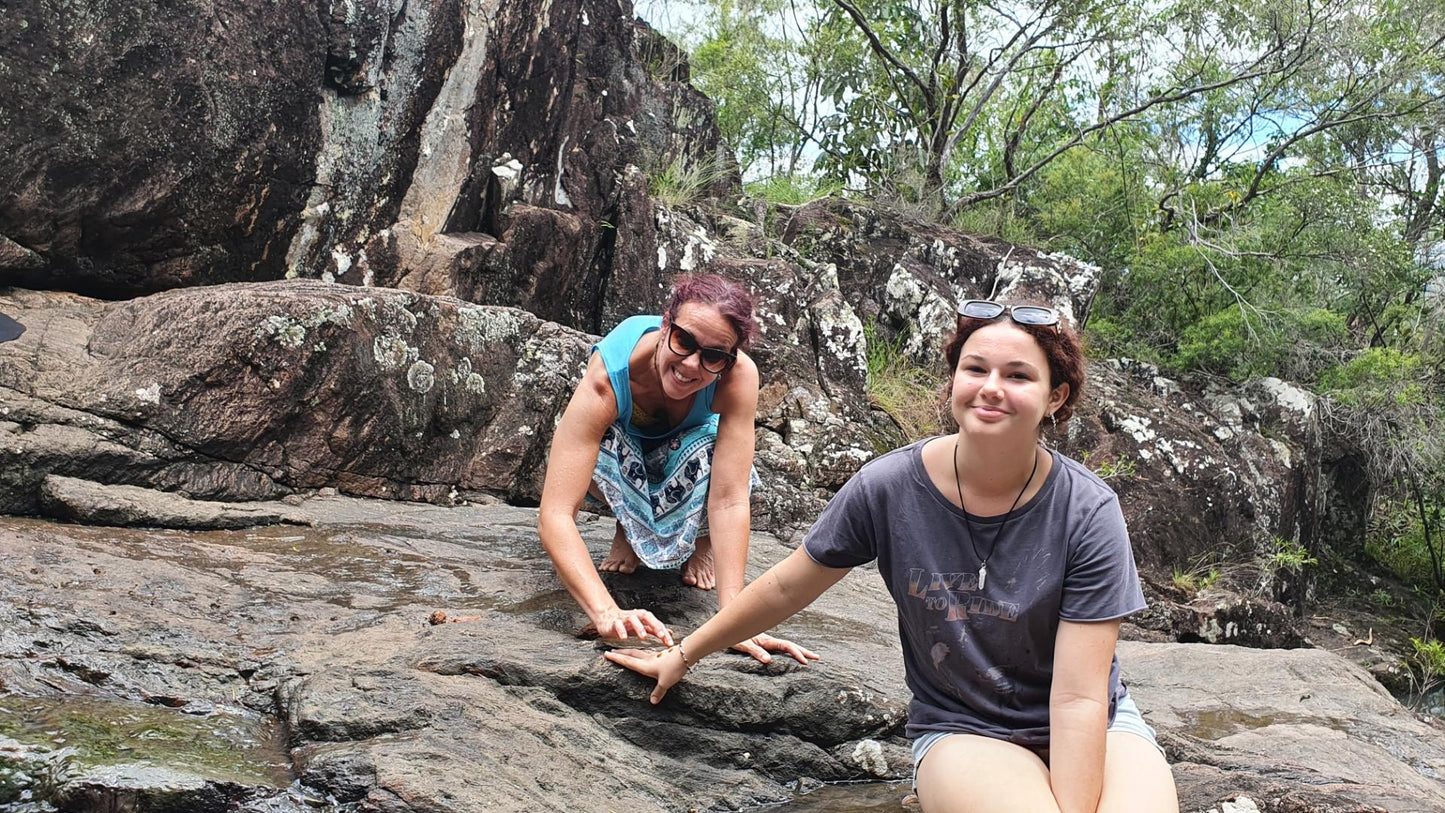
(851, 797)
(1220, 723)
(233, 747)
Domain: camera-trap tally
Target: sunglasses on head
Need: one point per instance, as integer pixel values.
(714, 360)
(1022, 314)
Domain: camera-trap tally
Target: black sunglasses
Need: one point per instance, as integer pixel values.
(684, 344)
(1022, 314)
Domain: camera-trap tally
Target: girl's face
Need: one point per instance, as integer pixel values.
(1001, 384)
(684, 375)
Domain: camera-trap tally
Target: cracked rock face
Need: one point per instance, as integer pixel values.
(465, 147)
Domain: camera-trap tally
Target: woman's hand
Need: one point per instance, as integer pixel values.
(759, 646)
(666, 667)
(619, 624)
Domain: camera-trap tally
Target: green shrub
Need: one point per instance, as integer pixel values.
(792, 190)
(1291, 556)
(1241, 345)
(1376, 377)
(1428, 659)
(1396, 540)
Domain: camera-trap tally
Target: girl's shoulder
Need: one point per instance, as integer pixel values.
(1083, 485)
(889, 467)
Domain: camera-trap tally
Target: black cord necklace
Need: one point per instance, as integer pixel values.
(958, 482)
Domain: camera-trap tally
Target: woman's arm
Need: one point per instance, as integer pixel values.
(570, 463)
(1079, 712)
(729, 505)
(729, 512)
(786, 588)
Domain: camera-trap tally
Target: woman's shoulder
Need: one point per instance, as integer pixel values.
(632, 327)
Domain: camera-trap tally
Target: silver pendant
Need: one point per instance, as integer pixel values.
(982, 574)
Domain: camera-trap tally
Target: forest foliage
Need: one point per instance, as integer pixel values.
(1260, 180)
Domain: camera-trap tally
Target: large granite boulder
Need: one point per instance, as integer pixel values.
(249, 391)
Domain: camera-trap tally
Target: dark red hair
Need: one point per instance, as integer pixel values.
(1059, 343)
(731, 300)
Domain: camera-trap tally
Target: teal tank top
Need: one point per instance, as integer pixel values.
(616, 348)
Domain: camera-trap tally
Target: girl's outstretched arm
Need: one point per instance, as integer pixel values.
(786, 588)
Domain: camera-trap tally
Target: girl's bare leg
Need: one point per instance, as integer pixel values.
(1136, 777)
(966, 773)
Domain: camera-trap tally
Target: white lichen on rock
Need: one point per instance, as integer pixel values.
(1138, 428)
(841, 333)
(392, 352)
(149, 395)
(421, 376)
(478, 328)
(909, 301)
(697, 245)
(1289, 396)
(284, 330)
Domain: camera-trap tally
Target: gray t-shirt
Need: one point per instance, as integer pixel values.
(980, 661)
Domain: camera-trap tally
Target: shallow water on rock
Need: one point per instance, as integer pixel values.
(225, 746)
(852, 797)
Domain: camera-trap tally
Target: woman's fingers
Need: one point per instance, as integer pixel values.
(798, 653)
(650, 625)
(638, 624)
(638, 660)
(751, 649)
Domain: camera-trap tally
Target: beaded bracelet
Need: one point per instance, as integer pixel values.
(686, 664)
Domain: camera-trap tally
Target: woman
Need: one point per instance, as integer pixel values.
(661, 429)
(1009, 609)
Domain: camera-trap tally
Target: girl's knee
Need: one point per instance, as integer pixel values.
(972, 774)
(1137, 778)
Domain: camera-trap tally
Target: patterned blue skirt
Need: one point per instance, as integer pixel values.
(659, 493)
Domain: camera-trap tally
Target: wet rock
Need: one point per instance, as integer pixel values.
(380, 705)
(1300, 726)
(325, 627)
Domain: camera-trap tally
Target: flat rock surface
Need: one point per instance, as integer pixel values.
(325, 631)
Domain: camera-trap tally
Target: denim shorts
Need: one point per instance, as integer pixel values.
(1126, 718)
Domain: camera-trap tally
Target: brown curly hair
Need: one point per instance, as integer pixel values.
(1059, 343)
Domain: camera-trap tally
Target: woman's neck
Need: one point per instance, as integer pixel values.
(643, 370)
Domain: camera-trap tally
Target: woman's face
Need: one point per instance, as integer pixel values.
(684, 375)
(1001, 384)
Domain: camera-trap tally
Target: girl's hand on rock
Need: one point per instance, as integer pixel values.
(666, 667)
(621, 625)
(759, 646)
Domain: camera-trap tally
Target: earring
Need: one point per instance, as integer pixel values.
(1053, 419)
